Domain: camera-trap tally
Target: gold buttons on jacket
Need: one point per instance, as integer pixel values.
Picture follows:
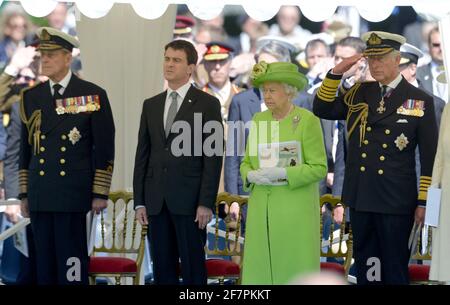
(63, 149)
(63, 137)
(42, 136)
(385, 145)
(62, 173)
(382, 158)
(363, 169)
(42, 173)
(42, 148)
(387, 131)
(62, 161)
(366, 142)
(369, 128)
(41, 161)
(364, 155)
(380, 172)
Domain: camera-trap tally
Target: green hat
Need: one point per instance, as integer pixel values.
(282, 72)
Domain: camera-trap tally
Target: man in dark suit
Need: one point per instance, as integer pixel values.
(386, 120)
(176, 182)
(66, 160)
(427, 75)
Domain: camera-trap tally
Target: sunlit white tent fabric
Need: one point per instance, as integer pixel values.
(261, 10)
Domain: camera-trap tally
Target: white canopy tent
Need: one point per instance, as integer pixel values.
(122, 47)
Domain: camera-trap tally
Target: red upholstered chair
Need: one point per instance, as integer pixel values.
(219, 268)
(339, 243)
(122, 237)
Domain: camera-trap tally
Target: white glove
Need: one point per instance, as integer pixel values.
(256, 178)
(274, 174)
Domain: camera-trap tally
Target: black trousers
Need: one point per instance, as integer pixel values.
(61, 248)
(382, 237)
(175, 238)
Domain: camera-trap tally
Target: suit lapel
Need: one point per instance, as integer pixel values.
(186, 105)
(49, 115)
(255, 99)
(395, 100)
(159, 115)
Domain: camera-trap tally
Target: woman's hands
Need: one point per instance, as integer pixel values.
(267, 176)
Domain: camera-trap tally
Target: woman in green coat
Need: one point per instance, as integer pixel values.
(285, 160)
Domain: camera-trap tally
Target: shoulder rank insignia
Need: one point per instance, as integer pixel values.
(412, 107)
(74, 135)
(78, 104)
(401, 142)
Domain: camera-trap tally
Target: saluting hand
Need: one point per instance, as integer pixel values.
(346, 64)
(99, 204)
(204, 215)
(12, 213)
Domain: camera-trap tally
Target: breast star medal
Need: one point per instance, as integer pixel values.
(74, 135)
(401, 142)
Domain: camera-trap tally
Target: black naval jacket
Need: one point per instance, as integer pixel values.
(56, 175)
(380, 172)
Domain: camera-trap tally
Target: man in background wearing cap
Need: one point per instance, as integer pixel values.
(184, 26)
(386, 120)
(408, 68)
(217, 60)
(66, 160)
(428, 74)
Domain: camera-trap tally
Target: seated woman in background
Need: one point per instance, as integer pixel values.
(285, 160)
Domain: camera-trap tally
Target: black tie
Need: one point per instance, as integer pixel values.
(384, 90)
(56, 94)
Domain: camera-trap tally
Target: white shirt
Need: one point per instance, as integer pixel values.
(263, 105)
(392, 85)
(64, 83)
(245, 42)
(222, 94)
(439, 89)
(182, 91)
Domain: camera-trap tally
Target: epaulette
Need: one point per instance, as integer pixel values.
(22, 108)
(33, 123)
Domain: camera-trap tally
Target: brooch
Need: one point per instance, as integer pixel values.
(295, 121)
